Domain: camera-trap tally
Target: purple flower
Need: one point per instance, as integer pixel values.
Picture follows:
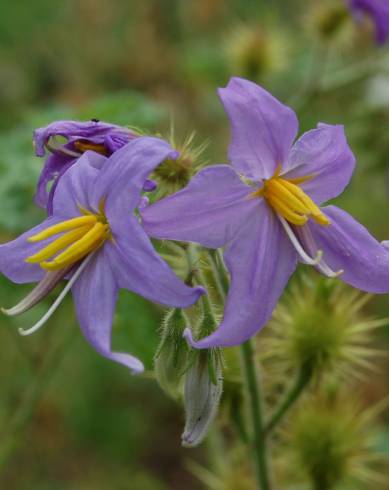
(378, 11)
(270, 226)
(79, 137)
(94, 240)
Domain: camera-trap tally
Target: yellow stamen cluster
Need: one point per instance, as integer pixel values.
(84, 145)
(290, 201)
(80, 237)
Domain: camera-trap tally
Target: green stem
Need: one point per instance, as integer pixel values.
(254, 395)
(291, 397)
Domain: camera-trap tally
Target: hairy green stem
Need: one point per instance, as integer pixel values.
(254, 396)
(291, 397)
(253, 391)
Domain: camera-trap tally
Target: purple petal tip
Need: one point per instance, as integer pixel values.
(149, 185)
(137, 368)
(200, 290)
(188, 337)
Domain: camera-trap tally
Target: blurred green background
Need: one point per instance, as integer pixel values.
(68, 418)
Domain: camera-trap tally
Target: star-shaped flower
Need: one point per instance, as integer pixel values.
(94, 239)
(267, 227)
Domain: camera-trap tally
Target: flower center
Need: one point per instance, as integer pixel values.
(80, 236)
(290, 201)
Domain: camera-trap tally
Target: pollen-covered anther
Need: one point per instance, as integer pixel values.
(85, 145)
(291, 202)
(83, 235)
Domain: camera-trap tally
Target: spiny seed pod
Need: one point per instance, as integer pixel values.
(174, 174)
(171, 359)
(203, 389)
(331, 440)
(253, 53)
(319, 326)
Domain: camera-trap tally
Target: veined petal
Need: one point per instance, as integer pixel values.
(324, 154)
(349, 246)
(263, 129)
(208, 211)
(13, 255)
(137, 267)
(121, 181)
(76, 185)
(95, 295)
(260, 259)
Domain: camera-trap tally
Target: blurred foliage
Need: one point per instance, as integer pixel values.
(68, 418)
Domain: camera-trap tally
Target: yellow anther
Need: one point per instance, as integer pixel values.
(314, 209)
(58, 245)
(321, 219)
(289, 200)
(64, 226)
(84, 145)
(90, 241)
(284, 210)
(279, 189)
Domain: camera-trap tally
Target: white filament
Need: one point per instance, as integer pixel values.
(322, 265)
(299, 249)
(327, 271)
(58, 301)
(54, 145)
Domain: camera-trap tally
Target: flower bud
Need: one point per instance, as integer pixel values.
(203, 389)
(171, 358)
(175, 173)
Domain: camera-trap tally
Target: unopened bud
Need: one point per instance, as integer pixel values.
(175, 172)
(171, 359)
(201, 397)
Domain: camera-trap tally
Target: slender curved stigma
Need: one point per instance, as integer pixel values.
(78, 238)
(290, 201)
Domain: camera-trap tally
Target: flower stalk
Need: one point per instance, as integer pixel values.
(256, 413)
(302, 380)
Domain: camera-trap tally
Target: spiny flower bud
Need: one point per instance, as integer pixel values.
(331, 438)
(175, 173)
(171, 358)
(319, 327)
(203, 389)
(253, 53)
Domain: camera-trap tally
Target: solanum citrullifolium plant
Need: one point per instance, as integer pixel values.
(216, 245)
